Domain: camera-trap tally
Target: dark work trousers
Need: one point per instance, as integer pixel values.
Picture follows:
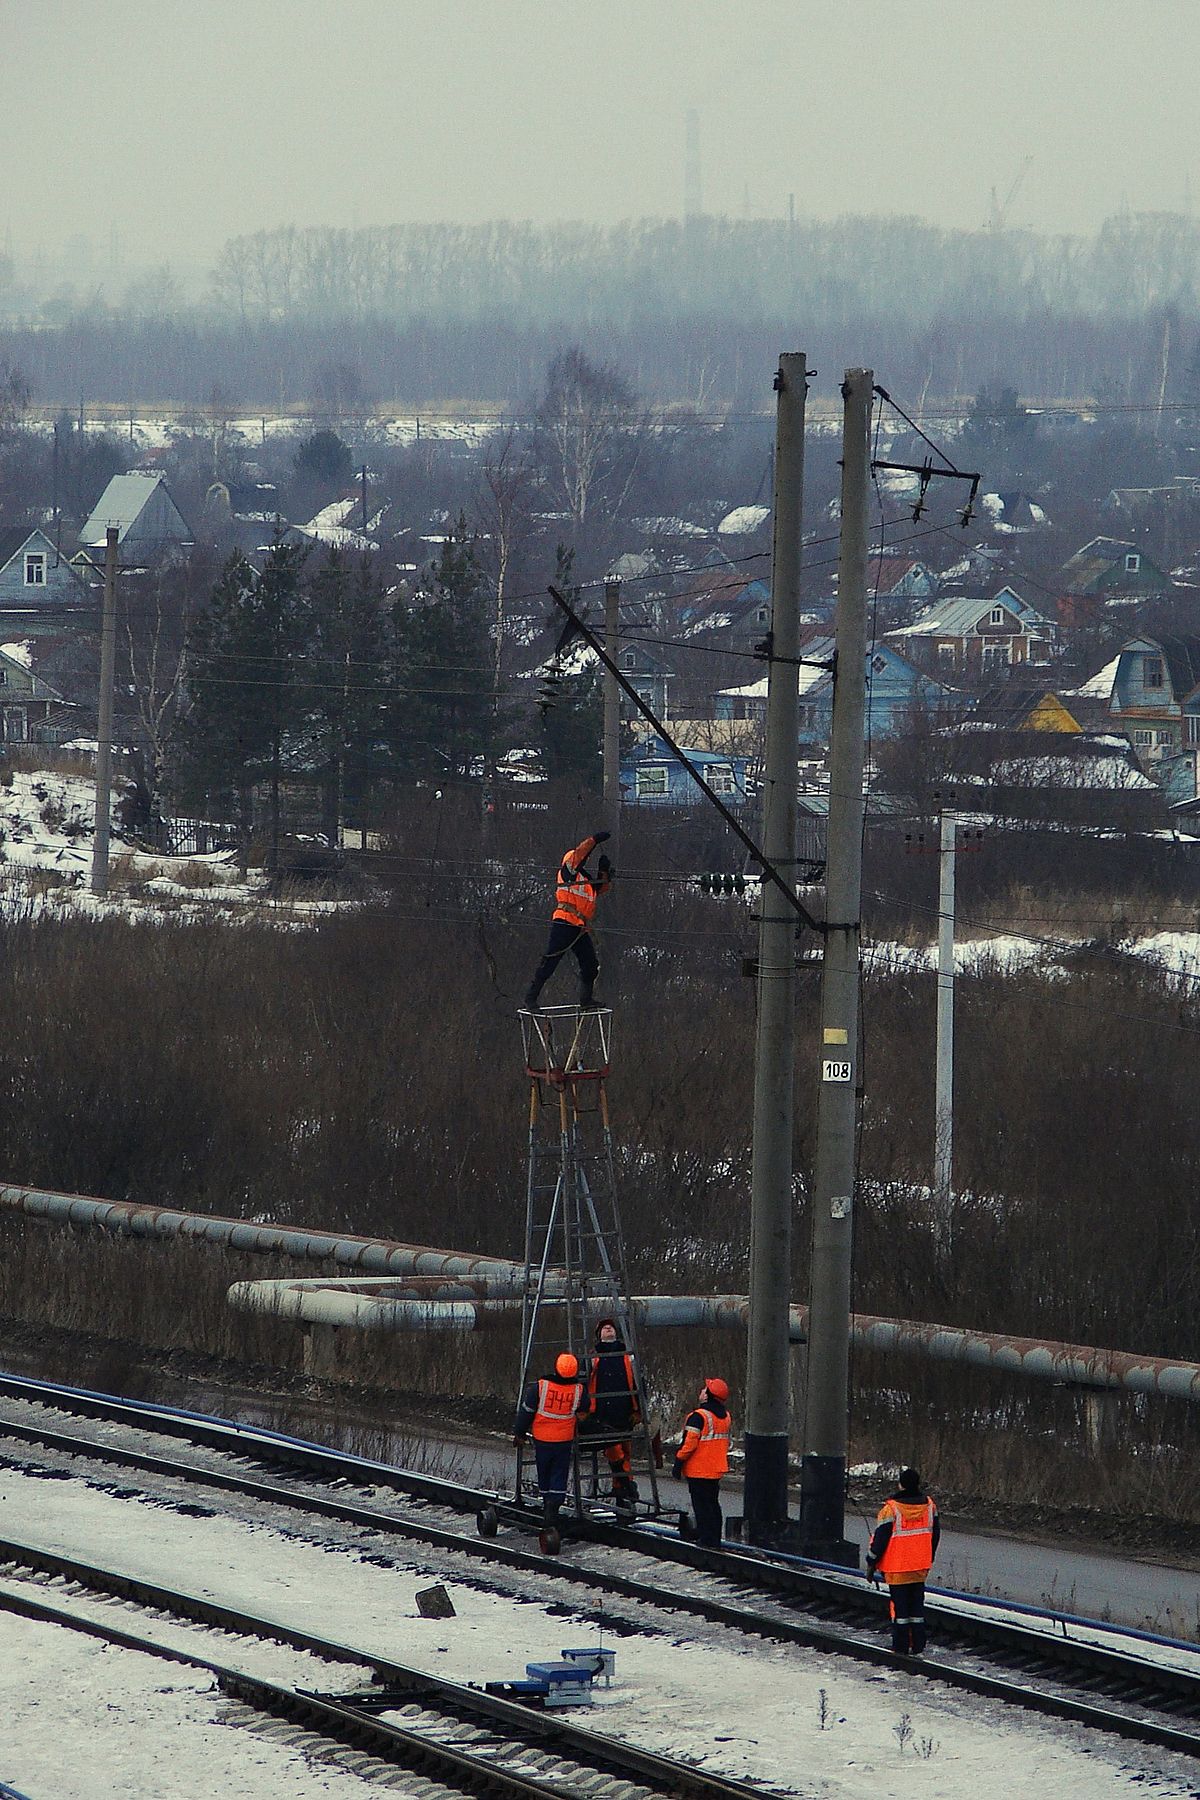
(553, 1473)
(706, 1509)
(564, 937)
(908, 1617)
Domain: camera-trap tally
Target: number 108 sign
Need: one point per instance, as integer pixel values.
(836, 1071)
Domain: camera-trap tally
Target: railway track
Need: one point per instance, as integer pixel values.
(1118, 1682)
(467, 1741)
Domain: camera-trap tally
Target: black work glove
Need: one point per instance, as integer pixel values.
(601, 837)
(604, 866)
(677, 1469)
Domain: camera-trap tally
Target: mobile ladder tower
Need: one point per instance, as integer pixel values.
(575, 1272)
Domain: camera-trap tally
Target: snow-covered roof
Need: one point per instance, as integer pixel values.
(21, 652)
(121, 503)
(743, 520)
(1098, 687)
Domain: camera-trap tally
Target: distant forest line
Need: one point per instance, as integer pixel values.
(692, 312)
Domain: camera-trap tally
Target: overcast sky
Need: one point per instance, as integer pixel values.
(182, 122)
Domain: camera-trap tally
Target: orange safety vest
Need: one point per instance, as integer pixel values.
(554, 1420)
(575, 894)
(708, 1458)
(908, 1553)
(609, 1393)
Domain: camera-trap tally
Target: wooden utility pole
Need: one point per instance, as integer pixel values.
(823, 1470)
(768, 1375)
(104, 725)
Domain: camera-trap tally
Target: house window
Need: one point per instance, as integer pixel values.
(878, 664)
(763, 616)
(994, 655)
(804, 715)
(35, 568)
(720, 779)
(1141, 738)
(1164, 737)
(650, 783)
(997, 615)
(1039, 650)
(1152, 671)
(1133, 563)
(946, 653)
(1191, 730)
(630, 660)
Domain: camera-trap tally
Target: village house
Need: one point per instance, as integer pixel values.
(971, 639)
(39, 590)
(1107, 572)
(1154, 698)
(31, 711)
(895, 687)
(148, 522)
(651, 776)
(901, 578)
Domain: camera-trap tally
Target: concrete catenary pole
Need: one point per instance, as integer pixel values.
(943, 1111)
(104, 726)
(612, 718)
(768, 1375)
(823, 1471)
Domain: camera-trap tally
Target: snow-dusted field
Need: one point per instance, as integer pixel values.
(84, 1721)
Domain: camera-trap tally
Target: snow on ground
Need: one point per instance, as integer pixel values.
(86, 1721)
(743, 1706)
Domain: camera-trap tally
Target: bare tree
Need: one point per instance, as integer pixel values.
(590, 437)
(157, 613)
(508, 487)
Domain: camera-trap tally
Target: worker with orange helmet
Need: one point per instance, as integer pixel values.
(575, 896)
(703, 1457)
(902, 1548)
(548, 1413)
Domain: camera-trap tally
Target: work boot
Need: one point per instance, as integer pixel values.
(625, 1488)
(531, 1002)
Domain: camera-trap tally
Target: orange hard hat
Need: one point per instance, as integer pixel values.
(717, 1388)
(567, 1366)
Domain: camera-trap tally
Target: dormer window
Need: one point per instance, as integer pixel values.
(1133, 563)
(35, 568)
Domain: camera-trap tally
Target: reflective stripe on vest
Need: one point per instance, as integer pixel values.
(575, 901)
(554, 1420)
(910, 1546)
(710, 1458)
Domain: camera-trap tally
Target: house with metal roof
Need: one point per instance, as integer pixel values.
(894, 687)
(651, 776)
(967, 638)
(31, 711)
(1155, 696)
(39, 590)
(148, 521)
(1107, 572)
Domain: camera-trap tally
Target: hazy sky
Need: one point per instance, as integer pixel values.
(186, 121)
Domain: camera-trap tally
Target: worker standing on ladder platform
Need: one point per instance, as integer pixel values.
(548, 1412)
(703, 1457)
(575, 897)
(613, 1398)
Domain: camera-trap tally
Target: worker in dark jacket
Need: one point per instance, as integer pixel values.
(549, 1411)
(613, 1404)
(902, 1548)
(575, 896)
(703, 1457)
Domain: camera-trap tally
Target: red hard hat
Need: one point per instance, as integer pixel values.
(717, 1388)
(567, 1366)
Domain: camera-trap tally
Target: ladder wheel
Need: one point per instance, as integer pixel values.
(487, 1521)
(549, 1541)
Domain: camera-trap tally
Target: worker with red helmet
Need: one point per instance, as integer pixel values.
(703, 1457)
(548, 1413)
(902, 1548)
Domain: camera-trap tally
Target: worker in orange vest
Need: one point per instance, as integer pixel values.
(613, 1405)
(575, 897)
(548, 1412)
(703, 1457)
(902, 1548)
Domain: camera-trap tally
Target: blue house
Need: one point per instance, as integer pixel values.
(894, 687)
(651, 776)
(39, 590)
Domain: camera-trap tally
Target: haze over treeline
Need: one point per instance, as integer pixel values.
(692, 310)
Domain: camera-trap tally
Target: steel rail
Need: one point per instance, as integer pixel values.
(338, 1717)
(825, 1598)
